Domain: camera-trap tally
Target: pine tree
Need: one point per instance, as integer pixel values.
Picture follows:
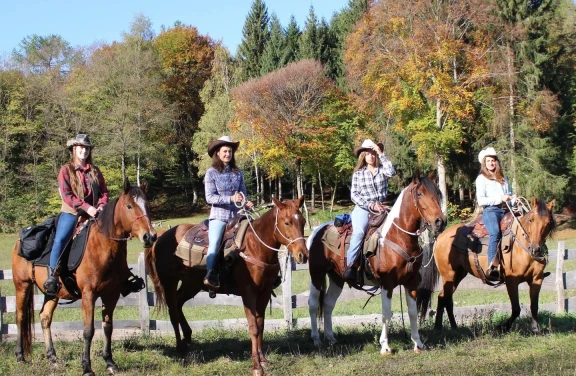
(293, 33)
(309, 45)
(272, 56)
(255, 35)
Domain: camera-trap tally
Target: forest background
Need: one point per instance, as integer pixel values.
(435, 80)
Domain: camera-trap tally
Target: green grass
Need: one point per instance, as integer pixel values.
(474, 349)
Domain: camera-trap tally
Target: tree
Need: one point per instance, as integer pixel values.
(290, 53)
(272, 56)
(255, 35)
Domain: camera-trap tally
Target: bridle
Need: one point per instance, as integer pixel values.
(532, 252)
(276, 228)
(131, 225)
(427, 224)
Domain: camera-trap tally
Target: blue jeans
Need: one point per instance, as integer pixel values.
(492, 216)
(66, 224)
(215, 232)
(359, 218)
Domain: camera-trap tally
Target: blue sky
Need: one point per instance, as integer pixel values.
(83, 23)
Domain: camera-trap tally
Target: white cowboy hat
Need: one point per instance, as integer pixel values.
(224, 140)
(366, 145)
(488, 152)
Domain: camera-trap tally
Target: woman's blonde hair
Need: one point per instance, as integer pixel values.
(497, 175)
(362, 160)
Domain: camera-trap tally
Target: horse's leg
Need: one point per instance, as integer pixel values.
(411, 295)
(108, 305)
(88, 301)
(313, 305)
(250, 308)
(334, 291)
(170, 296)
(512, 287)
(262, 301)
(386, 317)
(185, 293)
(534, 295)
(24, 316)
(449, 298)
(46, 314)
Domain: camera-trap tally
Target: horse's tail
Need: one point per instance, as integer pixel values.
(27, 325)
(320, 314)
(429, 278)
(153, 273)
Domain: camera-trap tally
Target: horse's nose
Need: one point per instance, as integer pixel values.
(154, 237)
(148, 239)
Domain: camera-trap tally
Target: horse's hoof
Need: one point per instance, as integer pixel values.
(257, 372)
(90, 373)
(386, 352)
(112, 370)
(264, 365)
(21, 359)
(317, 343)
(332, 340)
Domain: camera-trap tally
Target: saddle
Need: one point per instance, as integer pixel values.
(473, 236)
(193, 247)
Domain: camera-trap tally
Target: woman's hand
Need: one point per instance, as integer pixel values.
(377, 149)
(237, 197)
(506, 198)
(249, 205)
(377, 207)
(92, 211)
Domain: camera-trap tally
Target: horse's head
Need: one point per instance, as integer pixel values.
(130, 212)
(289, 229)
(537, 224)
(427, 200)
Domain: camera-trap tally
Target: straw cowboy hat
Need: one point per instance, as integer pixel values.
(222, 141)
(488, 152)
(366, 145)
(79, 139)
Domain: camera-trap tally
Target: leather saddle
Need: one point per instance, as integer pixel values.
(198, 235)
(473, 236)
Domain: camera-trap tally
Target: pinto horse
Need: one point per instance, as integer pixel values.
(101, 274)
(524, 263)
(253, 272)
(396, 261)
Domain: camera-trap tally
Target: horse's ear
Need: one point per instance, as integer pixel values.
(278, 203)
(433, 176)
(534, 202)
(144, 186)
(416, 177)
(551, 204)
(126, 185)
(300, 201)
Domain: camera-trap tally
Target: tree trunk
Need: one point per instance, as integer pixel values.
(440, 164)
(333, 194)
(321, 190)
(257, 175)
(270, 188)
(312, 193)
(511, 114)
(279, 193)
(262, 185)
(461, 193)
(299, 177)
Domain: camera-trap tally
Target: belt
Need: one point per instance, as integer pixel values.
(500, 206)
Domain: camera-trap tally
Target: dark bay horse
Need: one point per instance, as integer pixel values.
(524, 263)
(396, 262)
(254, 272)
(101, 273)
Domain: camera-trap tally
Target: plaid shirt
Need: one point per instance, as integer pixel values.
(219, 186)
(71, 202)
(367, 188)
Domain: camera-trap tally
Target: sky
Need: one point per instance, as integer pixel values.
(84, 23)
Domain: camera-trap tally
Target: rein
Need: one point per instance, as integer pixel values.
(121, 239)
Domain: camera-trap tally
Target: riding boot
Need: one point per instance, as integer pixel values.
(212, 279)
(350, 275)
(277, 282)
(51, 284)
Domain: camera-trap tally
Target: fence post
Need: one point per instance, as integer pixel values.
(286, 265)
(560, 277)
(1, 310)
(143, 307)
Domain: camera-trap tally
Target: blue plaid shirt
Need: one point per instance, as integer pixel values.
(218, 187)
(367, 188)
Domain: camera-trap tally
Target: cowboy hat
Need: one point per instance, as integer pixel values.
(488, 152)
(366, 145)
(222, 141)
(79, 139)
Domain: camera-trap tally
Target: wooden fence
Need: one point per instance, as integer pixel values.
(558, 281)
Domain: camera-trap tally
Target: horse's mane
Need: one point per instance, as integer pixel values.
(106, 218)
(542, 210)
(431, 187)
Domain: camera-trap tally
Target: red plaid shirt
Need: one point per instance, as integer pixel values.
(70, 198)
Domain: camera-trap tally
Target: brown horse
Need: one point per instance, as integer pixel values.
(524, 263)
(396, 261)
(101, 273)
(253, 273)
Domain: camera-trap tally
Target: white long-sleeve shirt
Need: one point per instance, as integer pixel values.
(489, 192)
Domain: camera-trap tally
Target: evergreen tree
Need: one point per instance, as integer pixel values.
(272, 56)
(309, 45)
(290, 53)
(255, 35)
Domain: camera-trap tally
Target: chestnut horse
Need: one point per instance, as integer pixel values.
(101, 273)
(396, 261)
(253, 272)
(524, 263)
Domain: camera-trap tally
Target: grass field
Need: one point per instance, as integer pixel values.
(475, 349)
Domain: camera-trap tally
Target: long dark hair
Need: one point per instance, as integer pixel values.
(75, 181)
(497, 175)
(219, 165)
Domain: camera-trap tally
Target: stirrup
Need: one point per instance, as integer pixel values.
(51, 286)
(132, 284)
